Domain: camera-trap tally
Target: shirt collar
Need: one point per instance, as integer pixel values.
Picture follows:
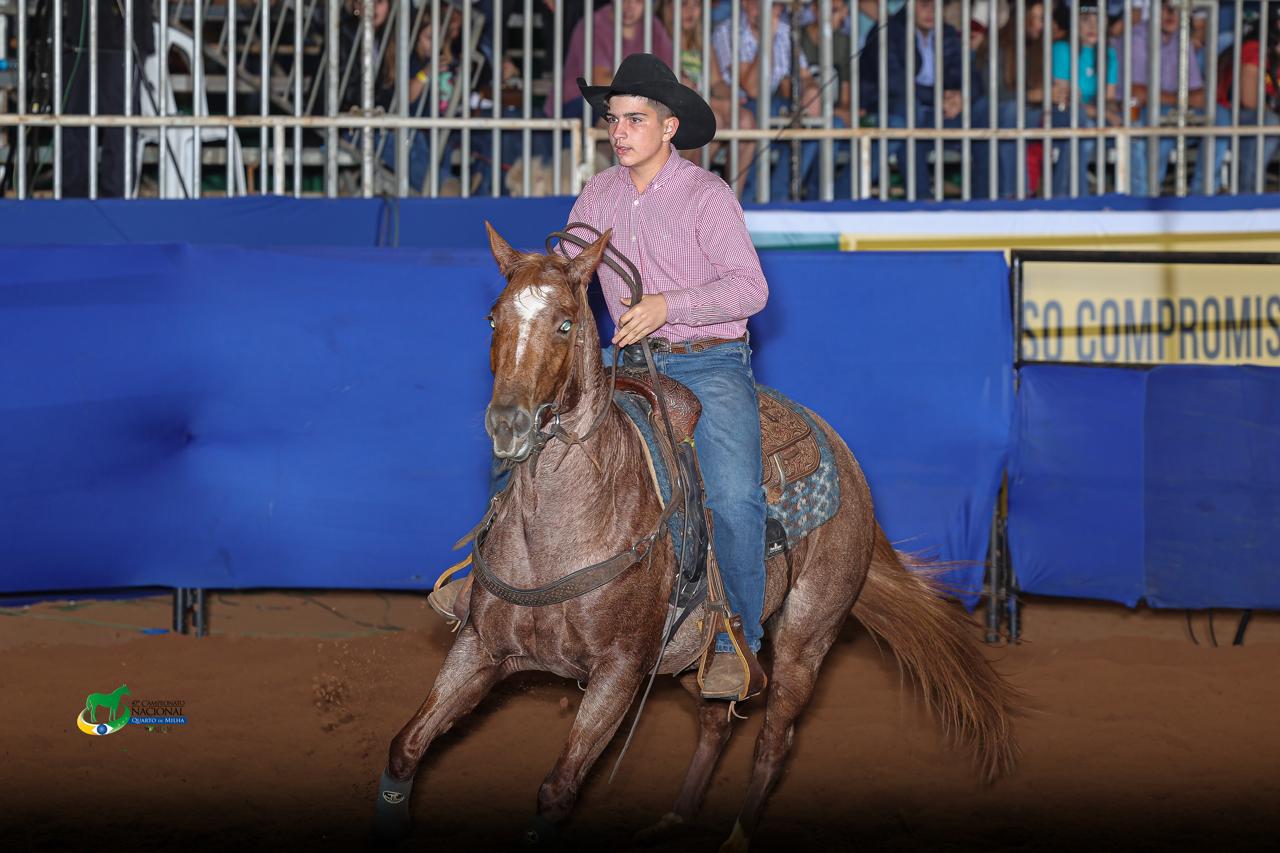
(665, 174)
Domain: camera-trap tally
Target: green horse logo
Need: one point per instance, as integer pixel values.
(88, 721)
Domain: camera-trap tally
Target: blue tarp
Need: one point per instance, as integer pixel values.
(267, 221)
(1213, 487)
(234, 417)
(1075, 482)
(1160, 485)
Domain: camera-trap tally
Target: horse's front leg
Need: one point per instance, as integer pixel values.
(467, 675)
(610, 691)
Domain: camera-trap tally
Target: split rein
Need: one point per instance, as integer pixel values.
(592, 577)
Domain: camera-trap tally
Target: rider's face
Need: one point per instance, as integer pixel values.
(638, 136)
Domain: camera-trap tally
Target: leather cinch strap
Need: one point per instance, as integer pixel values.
(572, 585)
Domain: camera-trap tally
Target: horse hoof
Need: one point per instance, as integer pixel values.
(738, 841)
(667, 826)
(391, 819)
(541, 833)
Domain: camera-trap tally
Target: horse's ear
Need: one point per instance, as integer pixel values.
(502, 251)
(581, 267)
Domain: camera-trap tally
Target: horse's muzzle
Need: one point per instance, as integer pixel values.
(511, 428)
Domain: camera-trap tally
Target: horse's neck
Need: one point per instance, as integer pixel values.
(583, 503)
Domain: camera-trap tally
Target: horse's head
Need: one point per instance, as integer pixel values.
(540, 322)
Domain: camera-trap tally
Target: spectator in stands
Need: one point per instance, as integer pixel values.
(691, 74)
(111, 90)
(841, 59)
(349, 46)
(1150, 107)
(1252, 112)
(1079, 89)
(603, 61)
(445, 67)
(869, 15)
(841, 53)
(927, 68)
(978, 25)
(572, 13)
(780, 85)
(1031, 34)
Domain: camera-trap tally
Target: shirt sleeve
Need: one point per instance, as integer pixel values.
(1113, 67)
(1061, 60)
(739, 289)
(720, 41)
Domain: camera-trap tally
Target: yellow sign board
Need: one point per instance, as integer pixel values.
(1158, 313)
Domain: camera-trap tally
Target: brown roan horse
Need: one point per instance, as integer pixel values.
(582, 504)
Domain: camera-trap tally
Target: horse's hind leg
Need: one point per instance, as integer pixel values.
(714, 728)
(609, 695)
(464, 679)
(801, 641)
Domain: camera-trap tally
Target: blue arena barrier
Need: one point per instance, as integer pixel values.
(270, 221)
(1213, 487)
(205, 416)
(1158, 485)
(1075, 482)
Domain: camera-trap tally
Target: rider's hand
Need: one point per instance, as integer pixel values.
(641, 320)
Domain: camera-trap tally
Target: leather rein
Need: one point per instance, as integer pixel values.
(588, 578)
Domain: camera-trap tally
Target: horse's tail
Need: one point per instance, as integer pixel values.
(934, 641)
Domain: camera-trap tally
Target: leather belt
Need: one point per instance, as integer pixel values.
(696, 345)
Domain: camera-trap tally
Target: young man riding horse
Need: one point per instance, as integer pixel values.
(684, 229)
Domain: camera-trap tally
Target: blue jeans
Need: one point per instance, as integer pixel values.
(728, 442)
(1138, 159)
(384, 145)
(979, 166)
(1062, 151)
(1008, 165)
(780, 175)
(1248, 149)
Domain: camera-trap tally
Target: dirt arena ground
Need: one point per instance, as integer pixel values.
(1139, 739)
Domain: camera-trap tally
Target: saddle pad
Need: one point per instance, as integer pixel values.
(804, 504)
(637, 409)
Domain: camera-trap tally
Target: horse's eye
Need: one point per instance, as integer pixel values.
(492, 325)
(566, 326)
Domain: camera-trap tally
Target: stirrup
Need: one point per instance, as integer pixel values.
(446, 595)
(753, 679)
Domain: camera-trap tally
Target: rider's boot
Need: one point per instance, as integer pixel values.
(735, 675)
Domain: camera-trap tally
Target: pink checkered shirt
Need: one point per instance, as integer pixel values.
(687, 236)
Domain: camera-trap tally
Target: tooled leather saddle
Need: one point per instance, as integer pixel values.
(788, 447)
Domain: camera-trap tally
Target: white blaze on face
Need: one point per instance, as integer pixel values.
(529, 303)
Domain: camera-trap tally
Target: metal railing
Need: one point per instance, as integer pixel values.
(813, 99)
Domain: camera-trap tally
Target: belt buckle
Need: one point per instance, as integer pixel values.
(660, 345)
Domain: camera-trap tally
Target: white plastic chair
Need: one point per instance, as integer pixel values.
(178, 174)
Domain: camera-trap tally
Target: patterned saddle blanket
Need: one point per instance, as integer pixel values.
(802, 486)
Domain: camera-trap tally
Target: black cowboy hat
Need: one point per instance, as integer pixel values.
(648, 76)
